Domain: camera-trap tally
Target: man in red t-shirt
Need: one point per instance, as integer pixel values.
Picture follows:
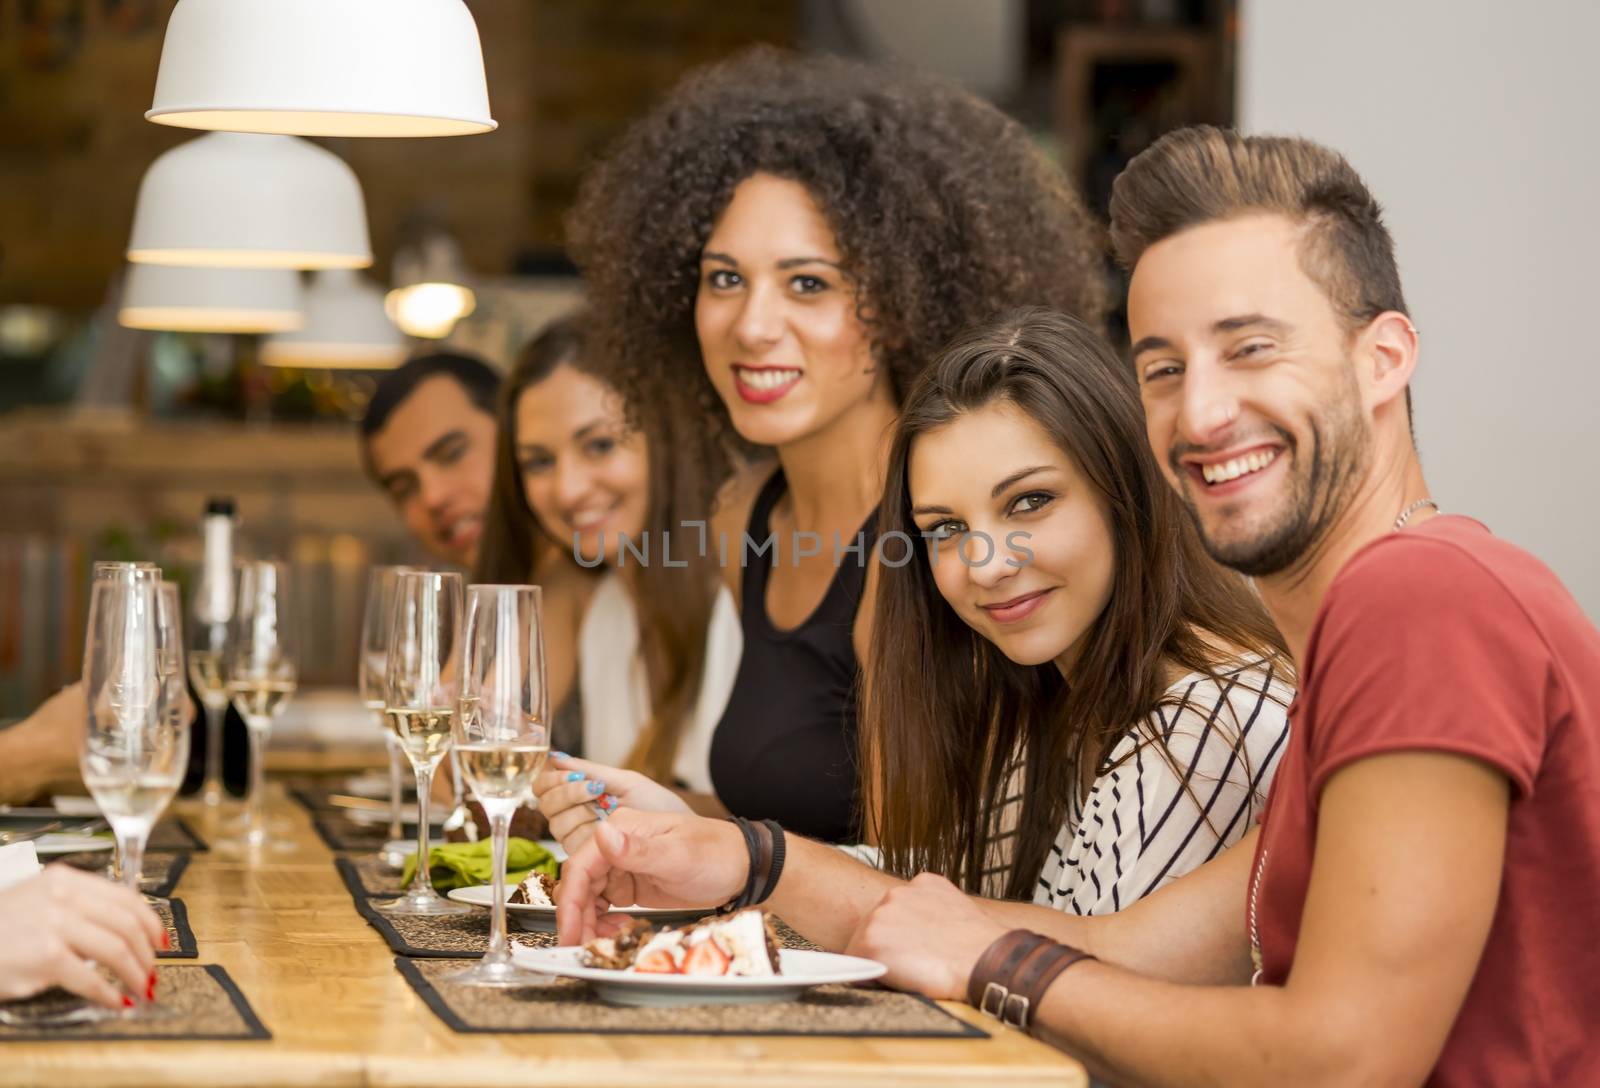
(1419, 903)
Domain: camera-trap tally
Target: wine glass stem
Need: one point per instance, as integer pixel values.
(422, 881)
(211, 791)
(130, 845)
(397, 828)
(257, 831)
(500, 831)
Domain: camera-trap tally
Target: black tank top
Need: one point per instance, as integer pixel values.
(785, 748)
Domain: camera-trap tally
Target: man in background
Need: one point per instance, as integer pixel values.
(428, 441)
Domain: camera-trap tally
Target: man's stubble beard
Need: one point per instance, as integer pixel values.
(1320, 491)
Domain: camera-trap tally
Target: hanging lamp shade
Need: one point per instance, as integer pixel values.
(345, 328)
(158, 296)
(323, 68)
(431, 291)
(240, 200)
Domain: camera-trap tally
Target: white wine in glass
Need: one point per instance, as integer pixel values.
(373, 667)
(423, 684)
(502, 737)
(261, 670)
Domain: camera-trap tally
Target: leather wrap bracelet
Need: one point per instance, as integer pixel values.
(1010, 979)
(765, 843)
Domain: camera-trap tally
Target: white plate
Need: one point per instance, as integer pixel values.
(49, 845)
(801, 970)
(537, 919)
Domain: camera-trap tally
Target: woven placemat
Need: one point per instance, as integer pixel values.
(343, 835)
(372, 876)
(208, 1003)
(174, 833)
(450, 936)
(159, 876)
(567, 1006)
(175, 917)
(454, 936)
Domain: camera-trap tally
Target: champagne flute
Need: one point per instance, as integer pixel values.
(420, 702)
(133, 748)
(208, 661)
(376, 626)
(502, 735)
(261, 670)
(173, 694)
(111, 570)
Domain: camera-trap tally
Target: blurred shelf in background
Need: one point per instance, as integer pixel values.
(77, 487)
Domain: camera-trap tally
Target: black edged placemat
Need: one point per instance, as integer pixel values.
(372, 876)
(450, 936)
(343, 835)
(456, 936)
(174, 833)
(159, 876)
(567, 1006)
(208, 1003)
(175, 916)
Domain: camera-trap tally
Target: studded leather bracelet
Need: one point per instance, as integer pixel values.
(1011, 977)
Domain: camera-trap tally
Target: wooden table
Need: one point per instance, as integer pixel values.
(325, 984)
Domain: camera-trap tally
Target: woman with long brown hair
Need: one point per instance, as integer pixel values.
(641, 655)
(1068, 702)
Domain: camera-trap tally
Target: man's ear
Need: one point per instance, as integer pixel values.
(1386, 357)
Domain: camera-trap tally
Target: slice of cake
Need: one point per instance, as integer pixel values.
(536, 891)
(742, 945)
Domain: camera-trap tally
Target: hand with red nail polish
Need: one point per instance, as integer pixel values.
(73, 920)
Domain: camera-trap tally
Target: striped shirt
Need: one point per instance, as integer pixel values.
(1149, 820)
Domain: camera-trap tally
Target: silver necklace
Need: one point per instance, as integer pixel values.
(1256, 959)
(1405, 515)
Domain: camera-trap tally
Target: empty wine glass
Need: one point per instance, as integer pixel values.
(502, 736)
(420, 703)
(261, 669)
(376, 626)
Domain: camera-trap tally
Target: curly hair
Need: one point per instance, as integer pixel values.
(943, 211)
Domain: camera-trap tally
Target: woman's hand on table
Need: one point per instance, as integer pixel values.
(651, 859)
(575, 794)
(929, 934)
(63, 922)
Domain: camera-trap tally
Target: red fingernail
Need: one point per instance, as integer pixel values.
(150, 988)
(127, 1002)
(166, 941)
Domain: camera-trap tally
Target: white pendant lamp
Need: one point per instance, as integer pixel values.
(430, 288)
(345, 329)
(238, 200)
(323, 68)
(240, 300)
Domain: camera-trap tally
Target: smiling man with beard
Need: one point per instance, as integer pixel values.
(1419, 900)
(428, 441)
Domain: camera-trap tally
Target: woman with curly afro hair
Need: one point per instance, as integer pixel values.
(778, 250)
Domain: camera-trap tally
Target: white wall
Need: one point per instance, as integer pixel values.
(1477, 125)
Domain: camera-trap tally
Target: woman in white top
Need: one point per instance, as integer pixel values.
(640, 651)
(1067, 702)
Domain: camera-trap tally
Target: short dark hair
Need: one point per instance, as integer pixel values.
(479, 380)
(1203, 174)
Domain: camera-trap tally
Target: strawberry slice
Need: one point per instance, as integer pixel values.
(706, 958)
(658, 962)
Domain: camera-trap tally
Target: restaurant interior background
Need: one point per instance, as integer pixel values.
(1470, 120)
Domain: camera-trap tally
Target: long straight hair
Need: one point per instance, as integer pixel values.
(673, 604)
(947, 715)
